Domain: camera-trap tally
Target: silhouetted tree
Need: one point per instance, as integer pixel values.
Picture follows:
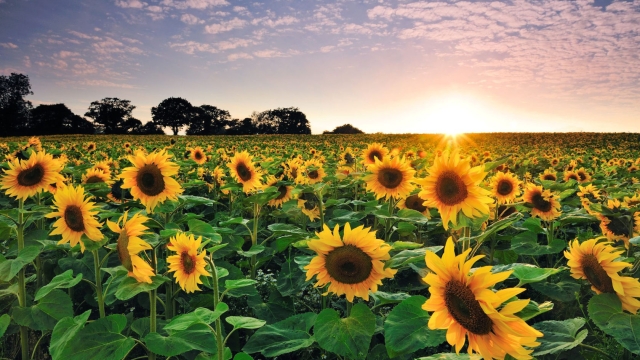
(208, 120)
(114, 114)
(14, 109)
(282, 121)
(241, 127)
(150, 128)
(173, 113)
(345, 129)
(57, 119)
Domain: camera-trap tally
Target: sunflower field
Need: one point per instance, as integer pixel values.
(479, 246)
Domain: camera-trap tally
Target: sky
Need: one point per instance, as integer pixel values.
(389, 66)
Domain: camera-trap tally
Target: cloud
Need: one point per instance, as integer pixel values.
(26, 62)
(285, 20)
(104, 83)
(224, 26)
(191, 47)
(67, 54)
(193, 4)
(9, 45)
(326, 49)
(83, 35)
(237, 56)
(109, 45)
(134, 4)
(191, 19)
(241, 10)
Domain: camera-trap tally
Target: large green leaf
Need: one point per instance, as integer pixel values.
(10, 268)
(5, 319)
(605, 310)
(348, 337)
(559, 335)
(201, 228)
(563, 291)
(244, 322)
(406, 330)
(199, 315)
(64, 331)
(100, 340)
(526, 243)
(407, 257)
(45, 314)
(195, 337)
(291, 279)
(534, 309)
(282, 337)
(130, 287)
(530, 273)
(451, 356)
(61, 281)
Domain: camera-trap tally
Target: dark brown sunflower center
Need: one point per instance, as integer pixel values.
(505, 187)
(313, 174)
(450, 189)
(94, 179)
(282, 189)
(549, 177)
(150, 180)
(582, 176)
(188, 263)
(73, 218)
(596, 275)
(198, 155)
(573, 176)
(540, 203)
(243, 172)
(375, 154)
(31, 176)
(348, 264)
(123, 251)
(116, 190)
(617, 226)
(414, 202)
(390, 178)
(465, 309)
(348, 158)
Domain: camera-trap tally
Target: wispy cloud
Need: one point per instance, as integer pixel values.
(9, 45)
(224, 26)
(193, 4)
(237, 56)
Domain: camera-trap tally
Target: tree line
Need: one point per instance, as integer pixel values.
(114, 116)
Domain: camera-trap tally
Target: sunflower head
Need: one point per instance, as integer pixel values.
(95, 175)
(25, 178)
(242, 169)
(198, 155)
(129, 245)
(390, 178)
(544, 203)
(505, 187)
(187, 264)
(374, 151)
(352, 264)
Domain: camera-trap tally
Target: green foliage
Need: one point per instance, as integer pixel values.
(349, 337)
(560, 336)
(605, 310)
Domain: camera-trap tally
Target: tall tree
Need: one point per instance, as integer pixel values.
(150, 128)
(208, 120)
(57, 119)
(14, 109)
(282, 121)
(113, 114)
(241, 127)
(173, 113)
(345, 129)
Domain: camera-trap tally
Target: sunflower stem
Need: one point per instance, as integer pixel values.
(96, 266)
(595, 349)
(152, 318)
(349, 306)
(22, 290)
(320, 206)
(216, 301)
(254, 238)
(387, 222)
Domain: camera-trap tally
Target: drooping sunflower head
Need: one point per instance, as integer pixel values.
(314, 171)
(198, 155)
(308, 204)
(583, 175)
(76, 216)
(352, 264)
(374, 151)
(129, 245)
(414, 202)
(463, 303)
(571, 175)
(348, 157)
(596, 262)
(95, 175)
(544, 203)
(505, 187)
(453, 186)
(150, 179)
(188, 264)
(390, 178)
(284, 192)
(242, 169)
(90, 146)
(25, 178)
(549, 174)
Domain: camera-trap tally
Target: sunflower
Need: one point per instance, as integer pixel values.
(570, 174)
(90, 146)
(188, 264)
(130, 244)
(545, 205)
(453, 186)
(505, 187)
(26, 178)
(150, 179)
(414, 202)
(314, 171)
(630, 202)
(283, 189)
(347, 157)
(583, 175)
(390, 178)
(293, 170)
(308, 204)
(596, 262)
(95, 175)
(549, 174)
(374, 151)
(76, 216)
(198, 155)
(464, 305)
(617, 227)
(116, 194)
(352, 265)
(243, 170)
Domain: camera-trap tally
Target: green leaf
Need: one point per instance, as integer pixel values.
(405, 228)
(498, 225)
(559, 336)
(405, 329)
(605, 310)
(277, 308)
(64, 331)
(201, 228)
(451, 356)
(245, 322)
(45, 314)
(291, 279)
(130, 287)
(242, 356)
(191, 201)
(234, 221)
(530, 273)
(282, 337)
(100, 340)
(10, 268)
(254, 250)
(5, 319)
(526, 243)
(237, 284)
(199, 315)
(563, 291)
(404, 245)
(407, 257)
(534, 309)
(196, 337)
(346, 337)
(264, 197)
(381, 298)
(488, 166)
(63, 281)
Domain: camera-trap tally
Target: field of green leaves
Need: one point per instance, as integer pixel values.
(479, 246)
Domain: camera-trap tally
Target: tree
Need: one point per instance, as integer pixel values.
(241, 127)
(281, 121)
(14, 109)
(57, 119)
(150, 128)
(208, 120)
(173, 113)
(345, 129)
(113, 114)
